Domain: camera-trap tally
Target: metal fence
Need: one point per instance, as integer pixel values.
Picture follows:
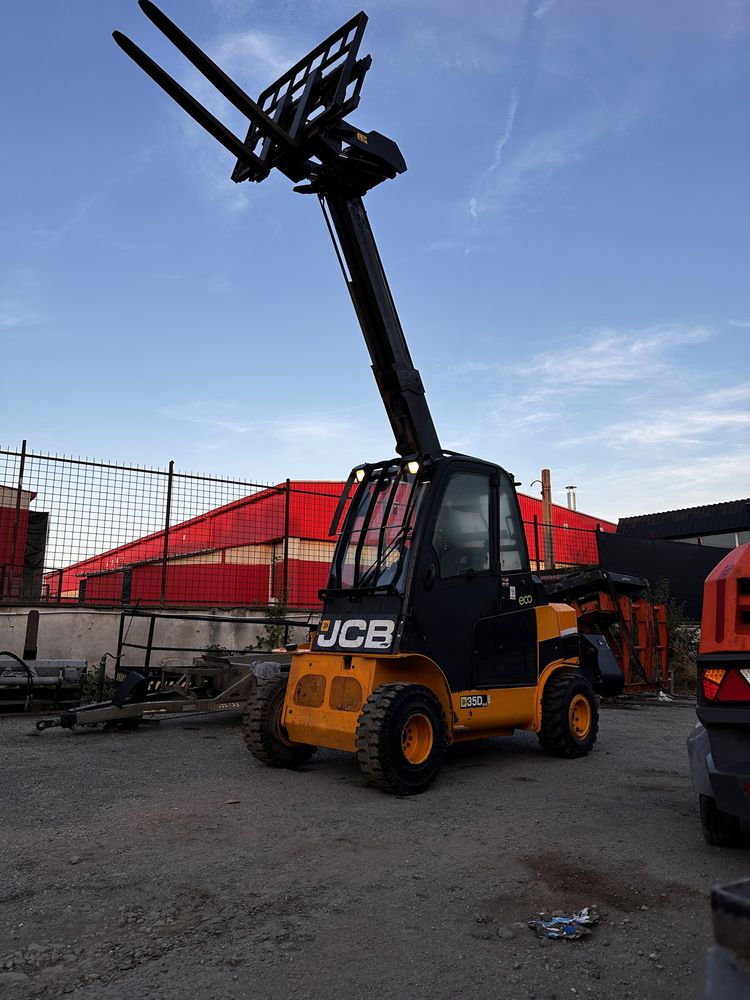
(74, 531)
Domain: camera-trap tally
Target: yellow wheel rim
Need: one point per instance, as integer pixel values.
(579, 716)
(417, 738)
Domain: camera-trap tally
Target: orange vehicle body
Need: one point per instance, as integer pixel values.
(725, 625)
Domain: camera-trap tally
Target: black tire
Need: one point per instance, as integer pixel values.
(266, 738)
(562, 734)
(719, 828)
(401, 738)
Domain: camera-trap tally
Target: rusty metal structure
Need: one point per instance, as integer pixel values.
(615, 606)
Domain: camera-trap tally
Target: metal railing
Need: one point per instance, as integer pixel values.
(100, 534)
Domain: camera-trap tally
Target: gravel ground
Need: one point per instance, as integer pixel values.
(166, 863)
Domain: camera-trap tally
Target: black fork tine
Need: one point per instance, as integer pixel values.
(234, 94)
(189, 104)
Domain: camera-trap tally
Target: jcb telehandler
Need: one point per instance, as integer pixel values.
(433, 630)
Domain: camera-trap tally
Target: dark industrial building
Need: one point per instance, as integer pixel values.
(724, 524)
(654, 546)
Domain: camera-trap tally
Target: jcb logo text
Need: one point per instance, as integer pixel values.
(356, 633)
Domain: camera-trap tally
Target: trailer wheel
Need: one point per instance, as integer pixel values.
(570, 715)
(719, 828)
(266, 738)
(401, 738)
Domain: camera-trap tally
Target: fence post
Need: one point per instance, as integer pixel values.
(536, 542)
(285, 571)
(120, 633)
(149, 644)
(16, 522)
(165, 551)
(100, 678)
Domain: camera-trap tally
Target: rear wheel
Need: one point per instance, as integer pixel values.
(570, 715)
(265, 736)
(719, 828)
(401, 738)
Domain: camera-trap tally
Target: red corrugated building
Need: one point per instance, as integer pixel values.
(14, 524)
(241, 554)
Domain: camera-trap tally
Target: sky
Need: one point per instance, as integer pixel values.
(569, 249)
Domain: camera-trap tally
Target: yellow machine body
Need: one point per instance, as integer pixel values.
(327, 691)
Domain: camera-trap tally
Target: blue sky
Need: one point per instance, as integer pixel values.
(569, 248)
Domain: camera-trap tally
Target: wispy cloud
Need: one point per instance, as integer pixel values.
(612, 357)
(669, 485)
(598, 358)
(18, 296)
(218, 284)
(502, 141)
(543, 8)
(604, 392)
(253, 59)
(14, 314)
(720, 412)
(75, 213)
(259, 56)
(229, 417)
(536, 159)
(744, 323)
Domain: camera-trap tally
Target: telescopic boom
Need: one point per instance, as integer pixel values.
(297, 125)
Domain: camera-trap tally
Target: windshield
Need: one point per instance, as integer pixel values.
(375, 542)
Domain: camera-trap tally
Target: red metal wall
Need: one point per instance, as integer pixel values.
(259, 520)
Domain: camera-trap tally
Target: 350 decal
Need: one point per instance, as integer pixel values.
(474, 700)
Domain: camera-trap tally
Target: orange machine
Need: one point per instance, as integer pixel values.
(725, 626)
(718, 747)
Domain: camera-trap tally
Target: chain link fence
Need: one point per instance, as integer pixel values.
(100, 534)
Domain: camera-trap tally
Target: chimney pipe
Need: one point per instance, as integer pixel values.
(549, 541)
(571, 497)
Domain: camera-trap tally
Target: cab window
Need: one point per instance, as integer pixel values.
(462, 531)
(512, 539)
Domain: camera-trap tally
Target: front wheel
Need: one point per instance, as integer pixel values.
(719, 828)
(265, 736)
(401, 738)
(570, 715)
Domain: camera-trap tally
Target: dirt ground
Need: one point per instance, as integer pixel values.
(167, 863)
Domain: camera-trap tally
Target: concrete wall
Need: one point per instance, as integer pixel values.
(72, 633)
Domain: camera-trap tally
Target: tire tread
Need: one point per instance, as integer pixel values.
(259, 739)
(372, 733)
(720, 828)
(554, 735)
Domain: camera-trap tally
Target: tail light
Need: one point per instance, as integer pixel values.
(726, 685)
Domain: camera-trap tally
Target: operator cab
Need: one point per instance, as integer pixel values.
(434, 548)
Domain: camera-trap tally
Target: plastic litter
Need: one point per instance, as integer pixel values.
(571, 926)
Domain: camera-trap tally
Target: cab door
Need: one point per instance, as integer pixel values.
(456, 580)
(505, 642)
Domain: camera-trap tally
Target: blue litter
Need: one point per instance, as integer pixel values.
(575, 925)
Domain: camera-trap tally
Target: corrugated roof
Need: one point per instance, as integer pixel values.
(734, 515)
